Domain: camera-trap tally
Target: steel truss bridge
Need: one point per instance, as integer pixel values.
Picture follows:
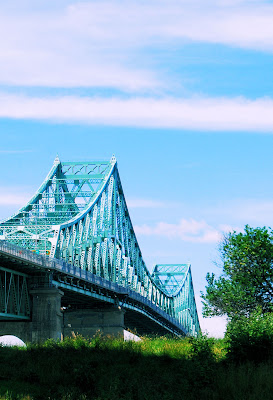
(76, 234)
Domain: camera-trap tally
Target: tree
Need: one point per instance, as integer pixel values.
(247, 279)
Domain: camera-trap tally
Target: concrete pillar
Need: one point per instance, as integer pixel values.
(46, 314)
(87, 322)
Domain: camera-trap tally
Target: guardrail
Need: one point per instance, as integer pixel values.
(64, 267)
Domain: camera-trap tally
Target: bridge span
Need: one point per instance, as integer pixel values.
(70, 263)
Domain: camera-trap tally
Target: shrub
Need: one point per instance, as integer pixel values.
(202, 348)
(250, 338)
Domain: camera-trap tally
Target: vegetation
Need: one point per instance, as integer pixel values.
(154, 368)
(251, 338)
(238, 367)
(246, 283)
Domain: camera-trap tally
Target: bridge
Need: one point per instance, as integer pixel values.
(70, 263)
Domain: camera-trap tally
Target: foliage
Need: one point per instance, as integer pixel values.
(250, 338)
(247, 279)
(202, 348)
(105, 368)
(108, 368)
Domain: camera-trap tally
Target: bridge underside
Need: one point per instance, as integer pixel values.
(78, 296)
(139, 321)
(77, 317)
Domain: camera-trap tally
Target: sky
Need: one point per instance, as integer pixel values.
(180, 91)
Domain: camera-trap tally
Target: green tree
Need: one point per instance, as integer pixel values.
(250, 338)
(246, 282)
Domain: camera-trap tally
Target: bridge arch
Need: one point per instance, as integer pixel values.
(11, 340)
(80, 219)
(16, 329)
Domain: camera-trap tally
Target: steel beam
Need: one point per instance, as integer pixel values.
(14, 296)
(79, 215)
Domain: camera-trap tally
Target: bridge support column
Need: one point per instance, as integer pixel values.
(46, 314)
(87, 322)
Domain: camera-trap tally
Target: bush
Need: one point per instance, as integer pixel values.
(202, 348)
(250, 338)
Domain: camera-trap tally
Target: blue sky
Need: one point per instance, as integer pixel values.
(180, 91)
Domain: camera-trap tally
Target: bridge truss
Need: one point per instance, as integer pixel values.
(14, 296)
(79, 215)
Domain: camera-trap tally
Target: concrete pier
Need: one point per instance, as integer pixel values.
(50, 321)
(46, 314)
(88, 322)
(46, 321)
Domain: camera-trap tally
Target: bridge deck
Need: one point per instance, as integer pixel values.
(83, 289)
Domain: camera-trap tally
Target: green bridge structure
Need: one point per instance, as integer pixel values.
(70, 264)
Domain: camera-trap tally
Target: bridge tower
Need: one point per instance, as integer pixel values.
(75, 238)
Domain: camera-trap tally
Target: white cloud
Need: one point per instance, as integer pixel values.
(259, 211)
(14, 196)
(213, 114)
(103, 43)
(15, 151)
(246, 26)
(186, 230)
(243, 23)
(13, 199)
(79, 45)
(243, 211)
(226, 228)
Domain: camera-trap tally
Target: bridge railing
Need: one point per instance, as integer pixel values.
(69, 269)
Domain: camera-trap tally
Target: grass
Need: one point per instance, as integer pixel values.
(111, 369)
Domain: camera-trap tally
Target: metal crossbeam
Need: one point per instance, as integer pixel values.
(170, 277)
(79, 215)
(14, 297)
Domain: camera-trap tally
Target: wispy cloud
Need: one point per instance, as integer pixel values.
(14, 196)
(244, 211)
(12, 199)
(212, 114)
(186, 230)
(15, 151)
(80, 45)
(238, 23)
(103, 43)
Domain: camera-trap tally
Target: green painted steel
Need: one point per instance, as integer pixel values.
(176, 281)
(170, 276)
(79, 215)
(14, 296)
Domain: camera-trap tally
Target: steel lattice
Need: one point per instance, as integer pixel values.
(79, 214)
(14, 297)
